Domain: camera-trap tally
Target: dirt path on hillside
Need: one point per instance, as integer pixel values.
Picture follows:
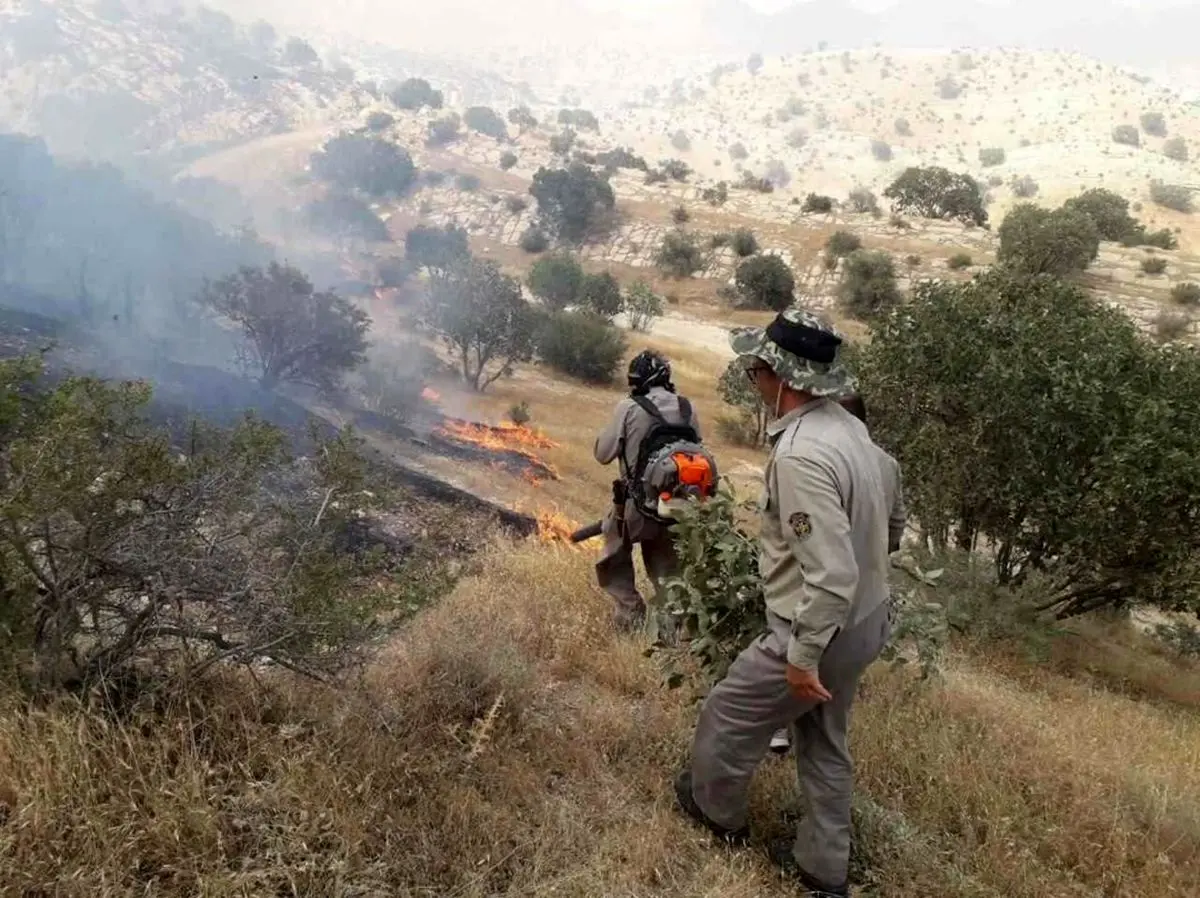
(261, 161)
(689, 332)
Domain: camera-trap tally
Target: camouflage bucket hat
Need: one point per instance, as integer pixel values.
(802, 350)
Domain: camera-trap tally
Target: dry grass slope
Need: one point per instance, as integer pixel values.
(508, 745)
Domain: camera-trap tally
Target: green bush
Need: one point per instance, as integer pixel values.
(817, 203)
(1107, 210)
(1032, 386)
(881, 150)
(467, 182)
(601, 294)
(508, 159)
(573, 203)
(842, 243)
(862, 200)
(938, 193)
(486, 121)
(1176, 148)
(1154, 265)
(534, 241)
(990, 156)
(744, 242)
(1038, 241)
(680, 215)
(1186, 293)
(581, 344)
(1154, 124)
(1127, 135)
(1171, 196)
(1024, 187)
(642, 306)
(1162, 239)
(736, 391)
(556, 279)
(679, 256)
(959, 261)
(903, 128)
(765, 282)
(1171, 325)
(868, 286)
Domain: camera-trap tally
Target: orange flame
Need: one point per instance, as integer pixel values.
(555, 527)
(506, 437)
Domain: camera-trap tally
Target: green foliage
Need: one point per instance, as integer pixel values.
(680, 255)
(1162, 239)
(581, 344)
(379, 121)
(642, 306)
(1109, 211)
(717, 195)
(1154, 124)
(738, 152)
(1154, 265)
(622, 157)
(436, 248)
(1171, 196)
(938, 193)
(1186, 293)
(578, 118)
(291, 332)
(345, 216)
(516, 204)
(1034, 240)
(486, 121)
(959, 261)
(868, 286)
(817, 203)
(601, 294)
(949, 89)
(519, 413)
(680, 215)
(444, 130)
(573, 202)
(765, 282)
(1027, 413)
(1181, 638)
(356, 162)
(125, 562)
(482, 317)
(1127, 135)
(842, 243)
(534, 241)
(903, 127)
(681, 142)
(675, 169)
(1171, 325)
(989, 156)
(862, 200)
(522, 118)
(881, 150)
(1176, 148)
(416, 93)
(561, 143)
(557, 280)
(467, 182)
(717, 594)
(735, 390)
(744, 242)
(750, 181)
(1024, 187)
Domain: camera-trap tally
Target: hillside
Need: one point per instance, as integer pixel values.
(113, 80)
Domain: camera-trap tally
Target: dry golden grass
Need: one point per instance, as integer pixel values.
(508, 744)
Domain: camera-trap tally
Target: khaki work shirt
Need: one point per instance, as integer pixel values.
(832, 503)
(623, 435)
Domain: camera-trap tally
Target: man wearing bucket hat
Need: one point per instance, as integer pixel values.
(828, 498)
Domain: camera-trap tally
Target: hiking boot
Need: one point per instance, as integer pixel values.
(687, 804)
(780, 851)
(781, 742)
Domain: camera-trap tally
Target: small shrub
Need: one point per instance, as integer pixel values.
(881, 150)
(1154, 265)
(680, 215)
(1181, 638)
(467, 182)
(676, 169)
(717, 195)
(516, 204)
(601, 294)
(765, 282)
(535, 241)
(863, 200)
(1176, 148)
(744, 242)
(959, 261)
(679, 256)
(817, 203)
(379, 121)
(760, 185)
(842, 243)
(868, 286)
(1127, 135)
(738, 152)
(899, 223)
(1162, 239)
(719, 241)
(507, 160)
(1154, 124)
(990, 156)
(912, 260)
(1024, 187)
(681, 142)
(1169, 325)
(949, 89)
(444, 131)
(1171, 196)
(903, 128)
(797, 138)
(582, 345)
(519, 413)
(1186, 293)
(642, 306)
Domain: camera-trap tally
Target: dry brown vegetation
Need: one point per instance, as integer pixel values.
(507, 744)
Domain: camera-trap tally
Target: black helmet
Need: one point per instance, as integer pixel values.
(649, 369)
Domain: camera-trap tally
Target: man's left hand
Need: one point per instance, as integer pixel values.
(806, 685)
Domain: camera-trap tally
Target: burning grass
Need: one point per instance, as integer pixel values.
(511, 444)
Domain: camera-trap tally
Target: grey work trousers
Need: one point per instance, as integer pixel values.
(616, 574)
(745, 709)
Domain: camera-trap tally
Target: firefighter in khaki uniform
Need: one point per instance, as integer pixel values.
(826, 509)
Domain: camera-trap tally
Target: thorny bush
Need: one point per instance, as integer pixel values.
(122, 558)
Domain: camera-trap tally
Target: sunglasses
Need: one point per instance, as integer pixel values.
(753, 371)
